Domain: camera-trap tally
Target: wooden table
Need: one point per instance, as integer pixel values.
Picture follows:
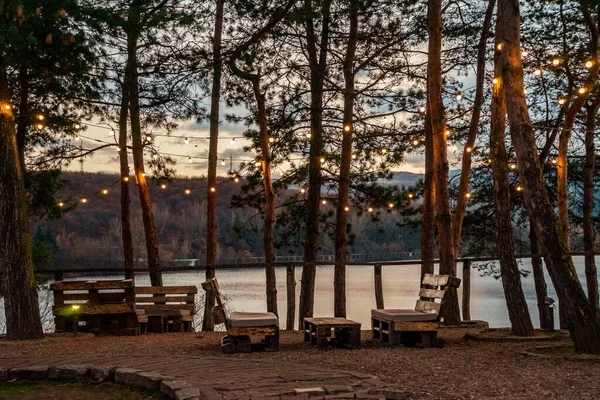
(326, 331)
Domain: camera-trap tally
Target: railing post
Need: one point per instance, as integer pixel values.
(291, 297)
(378, 286)
(466, 287)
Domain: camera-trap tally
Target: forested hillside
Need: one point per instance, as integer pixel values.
(88, 233)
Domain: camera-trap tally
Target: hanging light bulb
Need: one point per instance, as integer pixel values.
(384, 150)
(525, 91)
(257, 164)
(499, 46)
(126, 179)
(308, 135)
(459, 96)
(105, 191)
(513, 166)
(236, 179)
(346, 208)
(322, 160)
(422, 110)
(519, 188)
(410, 195)
(186, 141)
(76, 126)
(495, 81)
(537, 72)
(469, 149)
(40, 127)
(589, 64)
(61, 204)
(582, 90)
(354, 156)
(324, 202)
(232, 140)
(447, 133)
(391, 205)
(7, 107)
(190, 160)
(271, 139)
(187, 191)
(347, 128)
(40, 117)
(562, 101)
(524, 53)
(84, 200)
(416, 142)
(556, 61)
(223, 163)
(370, 209)
(469, 195)
(302, 190)
(163, 186)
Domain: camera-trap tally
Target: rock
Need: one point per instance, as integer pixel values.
(101, 374)
(29, 373)
(190, 393)
(149, 380)
(337, 389)
(126, 376)
(68, 372)
(169, 387)
(314, 391)
(4, 374)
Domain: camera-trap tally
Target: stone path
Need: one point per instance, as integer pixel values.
(231, 378)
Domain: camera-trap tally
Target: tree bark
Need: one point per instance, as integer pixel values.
(450, 310)
(138, 152)
(541, 289)
(583, 322)
(211, 197)
(126, 235)
(21, 305)
(465, 171)
(428, 213)
(269, 226)
(23, 121)
(341, 223)
(591, 272)
(317, 54)
(518, 312)
(291, 297)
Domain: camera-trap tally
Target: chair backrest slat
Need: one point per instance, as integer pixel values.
(434, 287)
(428, 307)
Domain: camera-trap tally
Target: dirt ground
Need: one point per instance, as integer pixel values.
(464, 369)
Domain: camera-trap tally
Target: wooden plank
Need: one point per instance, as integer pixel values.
(248, 331)
(187, 299)
(432, 293)
(167, 307)
(428, 307)
(334, 321)
(378, 287)
(407, 326)
(93, 309)
(166, 290)
(87, 285)
(435, 280)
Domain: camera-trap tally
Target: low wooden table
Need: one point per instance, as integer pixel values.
(326, 331)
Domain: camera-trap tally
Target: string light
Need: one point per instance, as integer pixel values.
(422, 109)
(302, 190)
(271, 139)
(163, 186)
(469, 149)
(556, 61)
(322, 159)
(257, 164)
(76, 126)
(537, 72)
(7, 107)
(524, 53)
(126, 179)
(469, 195)
(187, 191)
(84, 200)
(519, 188)
(370, 209)
(223, 163)
(186, 141)
(447, 132)
(40, 117)
(40, 127)
(61, 204)
(410, 195)
(391, 205)
(347, 128)
(354, 156)
(324, 202)
(562, 101)
(384, 150)
(495, 81)
(499, 46)
(525, 91)
(346, 208)
(309, 135)
(105, 191)
(589, 64)
(236, 179)
(582, 90)
(415, 142)
(459, 96)
(513, 166)
(213, 189)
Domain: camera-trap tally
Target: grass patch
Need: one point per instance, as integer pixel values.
(26, 390)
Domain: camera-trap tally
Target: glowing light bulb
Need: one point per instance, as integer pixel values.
(469, 195)
(155, 156)
(347, 128)
(459, 96)
(495, 81)
(370, 209)
(384, 150)
(582, 90)
(302, 190)
(519, 188)
(84, 201)
(223, 163)
(7, 107)
(415, 142)
(76, 126)
(589, 64)
(322, 159)
(513, 166)
(410, 195)
(40, 117)
(236, 179)
(525, 91)
(537, 72)
(500, 46)
(391, 205)
(469, 149)
(354, 156)
(40, 127)
(186, 141)
(554, 161)
(562, 101)
(324, 202)
(556, 61)
(524, 53)
(346, 208)
(105, 191)
(257, 164)
(271, 139)
(61, 204)
(308, 135)
(447, 132)
(163, 186)
(187, 191)
(148, 138)
(126, 179)
(144, 174)
(422, 109)
(190, 160)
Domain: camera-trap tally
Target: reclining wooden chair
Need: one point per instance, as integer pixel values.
(418, 326)
(241, 325)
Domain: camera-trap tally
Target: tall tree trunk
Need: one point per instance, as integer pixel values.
(317, 54)
(269, 227)
(518, 312)
(450, 311)
(591, 272)
(583, 322)
(23, 121)
(428, 213)
(21, 305)
(211, 197)
(126, 235)
(465, 171)
(341, 222)
(541, 289)
(138, 157)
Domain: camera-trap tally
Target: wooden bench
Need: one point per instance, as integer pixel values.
(324, 332)
(165, 308)
(241, 326)
(419, 326)
(100, 307)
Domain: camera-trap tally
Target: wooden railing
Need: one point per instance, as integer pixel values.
(291, 305)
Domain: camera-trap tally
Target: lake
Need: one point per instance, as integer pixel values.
(245, 289)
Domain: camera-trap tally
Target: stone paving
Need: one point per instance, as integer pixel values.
(192, 377)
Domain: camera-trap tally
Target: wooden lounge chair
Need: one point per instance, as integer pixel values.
(241, 326)
(165, 308)
(419, 326)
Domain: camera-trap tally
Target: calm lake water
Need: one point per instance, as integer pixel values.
(245, 289)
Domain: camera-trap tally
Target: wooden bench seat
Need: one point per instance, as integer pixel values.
(100, 307)
(419, 326)
(165, 308)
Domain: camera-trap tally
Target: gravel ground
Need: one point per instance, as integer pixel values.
(462, 369)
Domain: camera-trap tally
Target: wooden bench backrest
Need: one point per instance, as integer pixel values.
(93, 297)
(220, 314)
(434, 288)
(165, 297)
